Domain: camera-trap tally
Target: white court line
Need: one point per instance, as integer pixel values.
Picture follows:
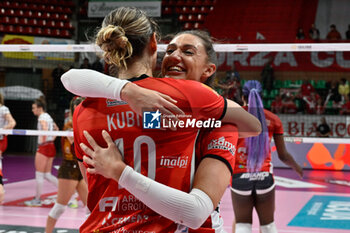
(37, 216)
(21, 181)
(293, 183)
(25, 189)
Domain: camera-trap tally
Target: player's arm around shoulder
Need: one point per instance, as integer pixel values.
(217, 162)
(212, 177)
(248, 125)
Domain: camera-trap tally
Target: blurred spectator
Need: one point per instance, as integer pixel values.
(56, 77)
(97, 65)
(61, 96)
(345, 109)
(323, 129)
(86, 64)
(333, 91)
(219, 85)
(267, 75)
(300, 34)
(320, 107)
(343, 87)
(334, 97)
(306, 88)
(233, 75)
(311, 101)
(288, 105)
(233, 81)
(314, 33)
(337, 105)
(333, 34)
(347, 33)
(235, 92)
(228, 89)
(277, 105)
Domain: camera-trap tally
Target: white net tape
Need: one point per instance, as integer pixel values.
(28, 132)
(312, 47)
(283, 47)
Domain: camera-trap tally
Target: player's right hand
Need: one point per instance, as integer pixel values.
(107, 162)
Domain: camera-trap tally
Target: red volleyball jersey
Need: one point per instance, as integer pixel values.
(162, 155)
(221, 144)
(274, 126)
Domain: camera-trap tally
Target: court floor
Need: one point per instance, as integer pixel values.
(318, 203)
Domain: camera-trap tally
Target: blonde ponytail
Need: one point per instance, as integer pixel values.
(116, 46)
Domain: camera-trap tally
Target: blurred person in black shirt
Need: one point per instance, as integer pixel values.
(323, 129)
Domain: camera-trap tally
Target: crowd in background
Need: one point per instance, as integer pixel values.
(60, 96)
(304, 96)
(314, 33)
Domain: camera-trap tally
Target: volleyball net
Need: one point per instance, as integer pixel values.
(28, 72)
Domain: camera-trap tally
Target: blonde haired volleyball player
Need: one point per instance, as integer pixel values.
(69, 176)
(212, 160)
(46, 150)
(91, 115)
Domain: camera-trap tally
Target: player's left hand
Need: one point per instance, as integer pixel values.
(107, 162)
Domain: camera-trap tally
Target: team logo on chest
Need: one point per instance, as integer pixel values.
(222, 144)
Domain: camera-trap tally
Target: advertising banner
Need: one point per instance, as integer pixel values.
(323, 156)
(332, 153)
(100, 8)
(286, 61)
(28, 40)
(306, 125)
(18, 39)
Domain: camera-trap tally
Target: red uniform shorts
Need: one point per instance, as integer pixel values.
(47, 148)
(3, 143)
